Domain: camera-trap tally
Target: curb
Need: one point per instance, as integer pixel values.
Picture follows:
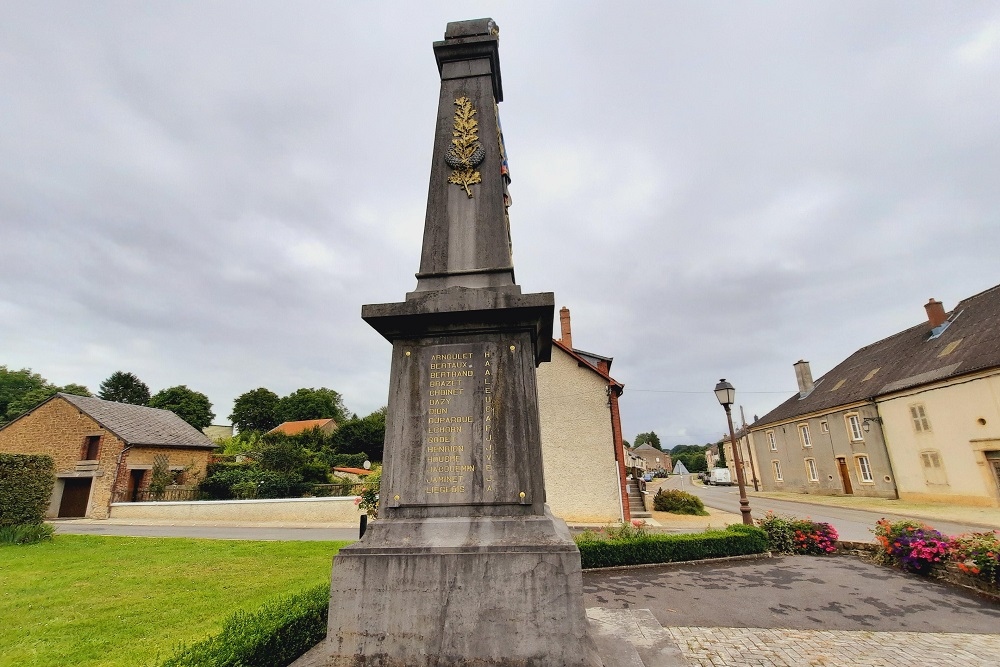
(679, 563)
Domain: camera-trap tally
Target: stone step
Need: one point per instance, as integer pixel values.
(633, 638)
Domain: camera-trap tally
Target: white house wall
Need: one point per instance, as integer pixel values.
(581, 475)
(964, 421)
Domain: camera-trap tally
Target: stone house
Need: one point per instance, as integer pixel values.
(654, 458)
(105, 451)
(582, 450)
(915, 415)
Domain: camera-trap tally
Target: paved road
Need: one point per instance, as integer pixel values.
(800, 592)
(851, 524)
(72, 527)
(834, 611)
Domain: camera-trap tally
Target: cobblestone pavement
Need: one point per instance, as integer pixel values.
(771, 647)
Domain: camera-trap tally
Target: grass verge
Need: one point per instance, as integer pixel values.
(128, 601)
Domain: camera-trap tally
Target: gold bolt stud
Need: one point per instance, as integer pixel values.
(396, 497)
(512, 348)
(521, 495)
(407, 353)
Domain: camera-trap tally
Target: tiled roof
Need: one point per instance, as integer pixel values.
(969, 343)
(139, 425)
(294, 428)
(361, 472)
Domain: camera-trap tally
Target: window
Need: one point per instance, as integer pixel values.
(91, 448)
(776, 469)
(933, 466)
(854, 428)
(811, 470)
(771, 443)
(825, 427)
(920, 423)
(804, 435)
(865, 469)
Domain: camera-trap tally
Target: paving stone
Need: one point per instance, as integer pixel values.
(775, 647)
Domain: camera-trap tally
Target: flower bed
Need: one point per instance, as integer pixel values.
(789, 535)
(971, 560)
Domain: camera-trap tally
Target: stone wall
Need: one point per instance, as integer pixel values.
(578, 453)
(60, 430)
(286, 511)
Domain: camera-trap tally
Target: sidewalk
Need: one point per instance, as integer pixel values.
(987, 517)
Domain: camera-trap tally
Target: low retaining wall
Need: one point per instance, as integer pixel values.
(284, 511)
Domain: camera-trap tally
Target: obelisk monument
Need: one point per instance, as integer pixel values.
(465, 565)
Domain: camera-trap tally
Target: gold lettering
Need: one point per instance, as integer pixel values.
(439, 438)
(449, 420)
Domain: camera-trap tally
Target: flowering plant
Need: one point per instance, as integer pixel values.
(789, 535)
(368, 500)
(978, 554)
(913, 546)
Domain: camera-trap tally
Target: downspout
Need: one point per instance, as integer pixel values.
(616, 433)
(885, 443)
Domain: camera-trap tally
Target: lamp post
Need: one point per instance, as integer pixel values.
(727, 396)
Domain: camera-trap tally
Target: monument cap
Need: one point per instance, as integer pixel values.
(471, 28)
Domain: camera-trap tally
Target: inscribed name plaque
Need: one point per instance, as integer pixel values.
(456, 423)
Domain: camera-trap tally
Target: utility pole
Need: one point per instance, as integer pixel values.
(746, 434)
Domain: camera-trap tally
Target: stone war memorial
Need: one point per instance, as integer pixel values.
(465, 565)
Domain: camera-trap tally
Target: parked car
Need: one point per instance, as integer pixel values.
(648, 477)
(720, 477)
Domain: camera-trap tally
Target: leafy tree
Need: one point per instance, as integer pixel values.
(693, 461)
(721, 461)
(365, 435)
(256, 410)
(191, 406)
(14, 384)
(34, 397)
(319, 403)
(123, 387)
(649, 438)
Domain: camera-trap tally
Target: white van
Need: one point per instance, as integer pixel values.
(720, 477)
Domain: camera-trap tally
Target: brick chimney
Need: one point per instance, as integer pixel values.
(935, 313)
(804, 376)
(567, 335)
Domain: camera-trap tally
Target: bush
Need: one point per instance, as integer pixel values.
(911, 545)
(678, 502)
(788, 535)
(26, 482)
(736, 540)
(978, 554)
(274, 636)
(25, 533)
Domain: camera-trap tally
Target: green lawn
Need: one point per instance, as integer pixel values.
(89, 600)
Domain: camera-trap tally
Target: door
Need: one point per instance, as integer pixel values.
(993, 458)
(134, 484)
(76, 493)
(845, 475)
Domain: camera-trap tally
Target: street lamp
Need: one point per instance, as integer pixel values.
(727, 396)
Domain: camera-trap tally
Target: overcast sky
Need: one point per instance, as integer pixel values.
(206, 193)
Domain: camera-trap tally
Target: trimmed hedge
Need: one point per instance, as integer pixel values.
(736, 540)
(274, 636)
(26, 482)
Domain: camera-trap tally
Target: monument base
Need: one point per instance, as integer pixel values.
(483, 591)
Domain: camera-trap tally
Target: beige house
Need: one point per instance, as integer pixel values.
(105, 450)
(582, 452)
(916, 415)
